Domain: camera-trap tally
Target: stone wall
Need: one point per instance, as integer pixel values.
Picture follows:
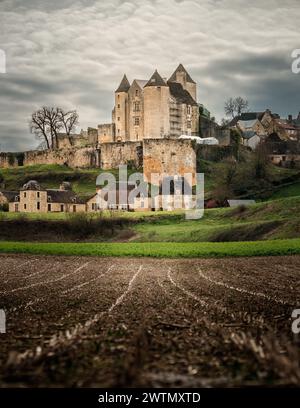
(168, 156)
(114, 154)
(74, 157)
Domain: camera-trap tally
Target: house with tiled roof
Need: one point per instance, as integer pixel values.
(153, 108)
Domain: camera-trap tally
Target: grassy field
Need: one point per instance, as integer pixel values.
(276, 219)
(158, 249)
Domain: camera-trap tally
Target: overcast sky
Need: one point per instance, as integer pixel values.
(73, 53)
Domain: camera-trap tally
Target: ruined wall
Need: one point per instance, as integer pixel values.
(74, 157)
(169, 156)
(114, 154)
(8, 160)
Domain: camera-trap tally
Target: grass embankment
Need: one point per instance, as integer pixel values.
(158, 249)
(50, 176)
(278, 219)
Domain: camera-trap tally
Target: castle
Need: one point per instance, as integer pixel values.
(152, 109)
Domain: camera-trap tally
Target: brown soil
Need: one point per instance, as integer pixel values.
(97, 322)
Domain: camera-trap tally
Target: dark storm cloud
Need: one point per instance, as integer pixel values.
(73, 53)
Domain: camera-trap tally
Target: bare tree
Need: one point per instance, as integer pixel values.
(47, 122)
(38, 126)
(69, 122)
(235, 106)
(53, 121)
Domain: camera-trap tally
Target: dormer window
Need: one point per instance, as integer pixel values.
(49, 198)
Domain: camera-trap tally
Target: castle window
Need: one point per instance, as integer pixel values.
(38, 194)
(119, 118)
(136, 106)
(189, 110)
(136, 121)
(118, 106)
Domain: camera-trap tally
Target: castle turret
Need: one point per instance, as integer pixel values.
(120, 113)
(183, 77)
(156, 108)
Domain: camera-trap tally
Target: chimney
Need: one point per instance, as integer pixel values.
(65, 186)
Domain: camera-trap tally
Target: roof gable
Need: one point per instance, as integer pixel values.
(156, 80)
(181, 68)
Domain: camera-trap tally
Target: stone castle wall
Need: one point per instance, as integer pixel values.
(74, 157)
(114, 154)
(168, 156)
(163, 156)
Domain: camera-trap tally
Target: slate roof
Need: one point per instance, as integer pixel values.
(65, 197)
(156, 80)
(124, 85)
(181, 95)
(247, 116)
(10, 195)
(181, 68)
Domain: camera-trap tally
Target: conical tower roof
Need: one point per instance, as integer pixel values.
(156, 80)
(181, 68)
(124, 85)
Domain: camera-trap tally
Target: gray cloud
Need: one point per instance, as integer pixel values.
(74, 53)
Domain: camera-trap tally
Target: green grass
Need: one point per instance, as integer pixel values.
(158, 249)
(287, 191)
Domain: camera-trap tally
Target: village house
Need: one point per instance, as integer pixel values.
(32, 198)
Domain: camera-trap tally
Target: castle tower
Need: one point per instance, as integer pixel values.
(183, 77)
(156, 108)
(120, 114)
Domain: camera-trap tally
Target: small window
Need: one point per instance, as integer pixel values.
(25, 206)
(62, 208)
(136, 92)
(49, 207)
(118, 118)
(38, 205)
(189, 124)
(136, 121)
(24, 195)
(49, 198)
(38, 194)
(74, 208)
(189, 110)
(118, 106)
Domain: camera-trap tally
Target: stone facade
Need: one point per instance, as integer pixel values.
(115, 154)
(168, 157)
(73, 157)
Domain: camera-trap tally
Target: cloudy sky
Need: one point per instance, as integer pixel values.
(73, 53)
